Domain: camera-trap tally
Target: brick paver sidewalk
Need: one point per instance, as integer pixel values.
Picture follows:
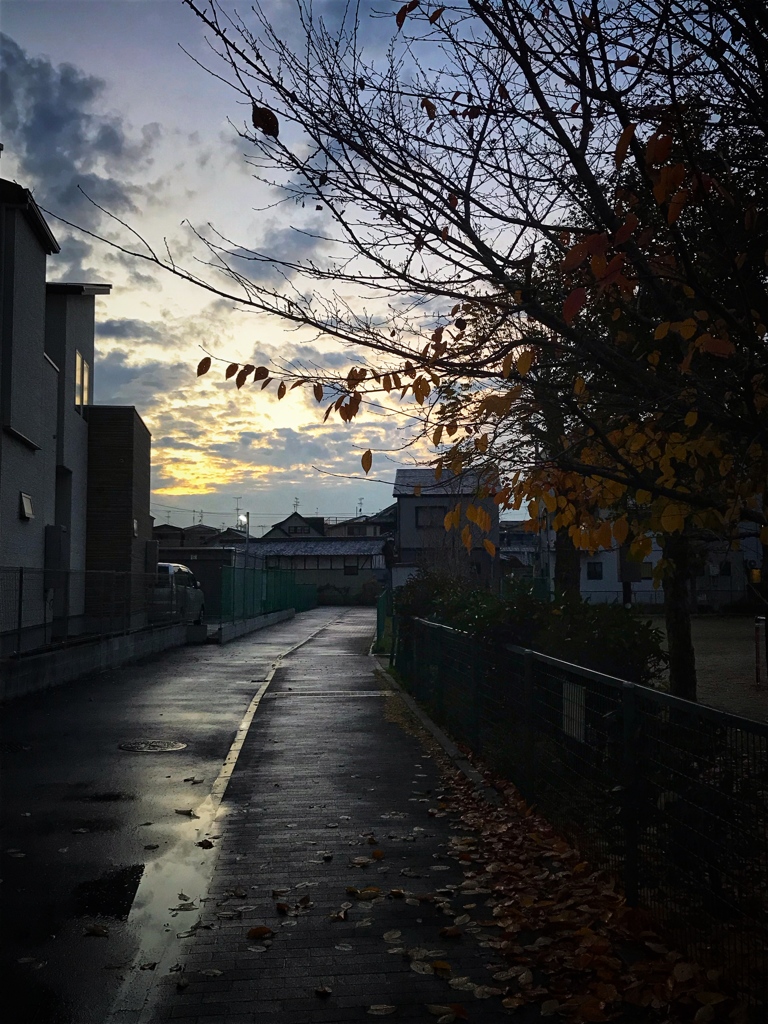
(332, 770)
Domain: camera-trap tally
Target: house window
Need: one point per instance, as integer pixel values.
(350, 565)
(298, 529)
(26, 511)
(430, 515)
(82, 381)
(594, 570)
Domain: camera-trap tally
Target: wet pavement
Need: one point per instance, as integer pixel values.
(92, 839)
(335, 868)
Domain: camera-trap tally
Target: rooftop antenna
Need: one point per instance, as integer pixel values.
(237, 507)
(296, 504)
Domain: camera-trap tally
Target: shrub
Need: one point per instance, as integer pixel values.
(604, 637)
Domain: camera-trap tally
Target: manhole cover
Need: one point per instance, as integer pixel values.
(151, 746)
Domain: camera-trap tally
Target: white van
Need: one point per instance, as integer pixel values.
(177, 595)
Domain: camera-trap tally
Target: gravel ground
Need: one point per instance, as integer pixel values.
(725, 665)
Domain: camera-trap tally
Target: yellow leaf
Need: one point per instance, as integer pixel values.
(672, 518)
(506, 367)
(661, 331)
(466, 538)
(578, 386)
(490, 547)
(448, 522)
(691, 418)
(550, 501)
(524, 362)
(366, 461)
(642, 497)
(437, 435)
(620, 530)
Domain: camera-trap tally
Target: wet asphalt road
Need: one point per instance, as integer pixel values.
(85, 824)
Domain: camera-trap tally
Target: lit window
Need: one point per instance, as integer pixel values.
(86, 383)
(78, 380)
(82, 381)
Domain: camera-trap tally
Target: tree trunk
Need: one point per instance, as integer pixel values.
(567, 566)
(677, 613)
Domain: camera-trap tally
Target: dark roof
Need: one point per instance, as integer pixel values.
(15, 195)
(320, 546)
(406, 480)
(72, 288)
(385, 514)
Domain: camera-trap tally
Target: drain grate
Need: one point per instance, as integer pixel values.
(151, 746)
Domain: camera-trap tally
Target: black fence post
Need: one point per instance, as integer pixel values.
(529, 744)
(476, 676)
(629, 792)
(20, 611)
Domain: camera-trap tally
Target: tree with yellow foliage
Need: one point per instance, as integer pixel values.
(591, 179)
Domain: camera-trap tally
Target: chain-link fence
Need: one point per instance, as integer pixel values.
(670, 796)
(246, 593)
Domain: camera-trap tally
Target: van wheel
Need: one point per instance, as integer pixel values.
(200, 620)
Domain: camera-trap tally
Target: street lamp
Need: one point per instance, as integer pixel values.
(244, 519)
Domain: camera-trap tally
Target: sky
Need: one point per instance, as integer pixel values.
(99, 97)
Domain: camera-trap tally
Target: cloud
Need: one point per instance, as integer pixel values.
(127, 329)
(64, 144)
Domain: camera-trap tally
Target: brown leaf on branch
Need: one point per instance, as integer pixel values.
(404, 11)
(573, 304)
(622, 147)
(203, 366)
(366, 461)
(265, 120)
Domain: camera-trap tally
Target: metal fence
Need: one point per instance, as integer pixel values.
(670, 796)
(246, 593)
(40, 610)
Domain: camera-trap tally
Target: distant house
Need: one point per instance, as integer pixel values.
(297, 526)
(344, 570)
(421, 539)
(609, 575)
(381, 524)
(74, 477)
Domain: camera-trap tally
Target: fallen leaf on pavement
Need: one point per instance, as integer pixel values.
(212, 972)
(99, 931)
(381, 1010)
(323, 991)
(205, 844)
(260, 932)
(188, 813)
